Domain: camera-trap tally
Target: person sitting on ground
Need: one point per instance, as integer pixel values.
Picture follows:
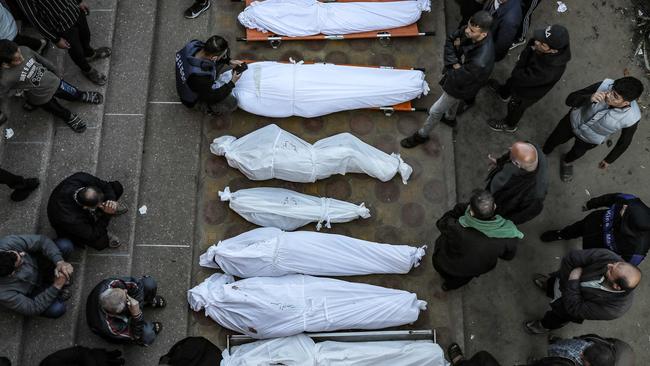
(24, 69)
(22, 186)
(114, 310)
(623, 228)
(81, 207)
(592, 284)
(481, 358)
(597, 112)
(472, 239)
(84, 356)
(518, 181)
(200, 76)
(587, 350)
(34, 275)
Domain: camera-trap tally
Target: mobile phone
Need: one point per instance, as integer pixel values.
(241, 68)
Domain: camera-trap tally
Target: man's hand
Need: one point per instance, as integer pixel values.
(59, 282)
(575, 274)
(598, 97)
(63, 43)
(134, 306)
(235, 76)
(456, 66)
(235, 63)
(603, 165)
(457, 42)
(64, 269)
(85, 8)
(109, 207)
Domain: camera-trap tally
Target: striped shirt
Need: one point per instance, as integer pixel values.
(51, 17)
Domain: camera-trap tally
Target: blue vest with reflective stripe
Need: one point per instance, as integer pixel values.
(186, 65)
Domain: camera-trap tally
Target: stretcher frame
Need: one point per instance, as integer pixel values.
(365, 336)
(389, 110)
(383, 36)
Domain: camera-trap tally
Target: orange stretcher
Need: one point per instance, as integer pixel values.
(389, 110)
(384, 36)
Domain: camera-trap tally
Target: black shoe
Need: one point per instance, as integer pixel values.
(455, 353)
(463, 107)
(196, 9)
(157, 327)
(493, 85)
(99, 53)
(541, 281)
(500, 126)
(96, 77)
(551, 235)
(76, 123)
(519, 42)
(413, 141)
(449, 122)
(22, 191)
(535, 327)
(92, 97)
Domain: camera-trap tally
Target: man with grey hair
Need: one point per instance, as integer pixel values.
(518, 181)
(114, 310)
(472, 239)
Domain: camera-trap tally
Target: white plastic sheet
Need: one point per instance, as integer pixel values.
(289, 210)
(278, 90)
(300, 350)
(271, 252)
(308, 17)
(270, 152)
(268, 307)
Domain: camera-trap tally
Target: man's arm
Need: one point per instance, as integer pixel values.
(43, 29)
(453, 214)
(35, 244)
(450, 54)
(582, 96)
(577, 307)
(47, 63)
(606, 200)
(203, 86)
(583, 258)
(29, 306)
(528, 212)
(510, 250)
(622, 144)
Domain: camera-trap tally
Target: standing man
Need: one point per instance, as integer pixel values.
(200, 78)
(540, 66)
(597, 112)
(469, 60)
(63, 22)
(81, 207)
(196, 9)
(518, 181)
(22, 186)
(528, 7)
(623, 228)
(507, 19)
(472, 239)
(9, 30)
(592, 284)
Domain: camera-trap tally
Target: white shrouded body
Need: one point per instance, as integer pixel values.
(300, 350)
(289, 210)
(296, 18)
(268, 307)
(271, 252)
(271, 152)
(278, 90)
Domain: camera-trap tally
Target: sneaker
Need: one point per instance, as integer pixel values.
(113, 241)
(520, 42)
(22, 191)
(413, 141)
(551, 235)
(535, 327)
(76, 123)
(500, 126)
(92, 97)
(96, 77)
(566, 170)
(196, 9)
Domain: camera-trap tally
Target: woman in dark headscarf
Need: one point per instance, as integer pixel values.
(624, 227)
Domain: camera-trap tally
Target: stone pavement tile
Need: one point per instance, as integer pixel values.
(12, 327)
(36, 126)
(171, 268)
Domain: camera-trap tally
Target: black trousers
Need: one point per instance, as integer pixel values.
(528, 7)
(516, 106)
(79, 38)
(28, 41)
(451, 282)
(467, 9)
(482, 358)
(557, 317)
(11, 180)
(66, 91)
(562, 133)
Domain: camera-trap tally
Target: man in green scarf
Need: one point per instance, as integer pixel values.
(472, 239)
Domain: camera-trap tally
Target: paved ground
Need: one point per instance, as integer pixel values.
(495, 306)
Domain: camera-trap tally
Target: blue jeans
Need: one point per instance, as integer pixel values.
(65, 246)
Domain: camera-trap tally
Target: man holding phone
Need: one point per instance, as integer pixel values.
(201, 78)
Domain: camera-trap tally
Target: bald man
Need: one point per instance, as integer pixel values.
(592, 284)
(518, 181)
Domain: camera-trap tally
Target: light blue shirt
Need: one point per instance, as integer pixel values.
(8, 29)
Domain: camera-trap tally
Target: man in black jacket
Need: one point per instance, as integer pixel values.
(592, 284)
(81, 207)
(623, 228)
(472, 239)
(507, 19)
(518, 181)
(469, 60)
(540, 66)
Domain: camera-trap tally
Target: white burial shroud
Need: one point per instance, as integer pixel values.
(270, 152)
(289, 210)
(271, 252)
(309, 17)
(300, 350)
(269, 307)
(278, 90)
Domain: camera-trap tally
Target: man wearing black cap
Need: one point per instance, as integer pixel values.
(539, 68)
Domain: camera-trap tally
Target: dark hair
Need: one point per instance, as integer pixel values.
(215, 46)
(599, 354)
(629, 88)
(7, 50)
(482, 204)
(481, 19)
(7, 263)
(89, 196)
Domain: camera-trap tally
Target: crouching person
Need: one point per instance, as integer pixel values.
(114, 310)
(34, 275)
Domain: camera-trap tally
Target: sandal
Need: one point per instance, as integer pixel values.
(455, 354)
(566, 171)
(92, 97)
(157, 327)
(158, 302)
(101, 52)
(76, 123)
